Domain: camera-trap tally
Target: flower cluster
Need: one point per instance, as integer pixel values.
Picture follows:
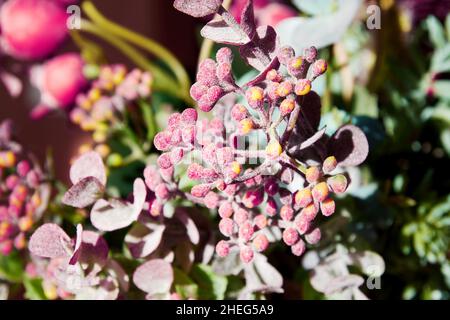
(102, 106)
(23, 192)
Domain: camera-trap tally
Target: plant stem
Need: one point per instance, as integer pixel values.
(147, 44)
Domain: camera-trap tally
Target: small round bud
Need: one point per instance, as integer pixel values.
(224, 54)
(239, 112)
(319, 67)
(329, 164)
(211, 200)
(287, 106)
(164, 161)
(200, 190)
(189, 116)
(310, 212)
(25, 224)
(290, 236)
(245, 126)
(284, 89)
(302, 87)
(320, 191)
(260, 242)
(246, 231)
(286, 213)
(314, 236)
(241, 216)
(260, 221)
(303, 197)
(274, 149)
(162, 192)
(246, 254)
(224, 72)
(312, 174)
(295, 66)
(225, 210)
(273, 75)
(302, 224)
(253, 198)
(310, 54)
(271, 207)
(299, 248)
(328, 206)
(285, 54)
(226, 227)
(174, 120)
(222, 248)
(7, 159)
(23, 167)
(271, 187)
(156, 208)
(198, 90)
(337, 183)
(255, 97)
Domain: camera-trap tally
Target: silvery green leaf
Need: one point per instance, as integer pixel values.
(320, 31)
(316, 7)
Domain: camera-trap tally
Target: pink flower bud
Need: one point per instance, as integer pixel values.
(299, 248)
(271, 187)
(207, 73)
(224, 72)
(198, 90)
(161, 142)
(314, 236)
(200, 190)
(189, 116)
(12, 181)
(176, 155)
(284, 89)
(188, 134)
(287, 106)
(255, 97)
(273, 75)
(329, 164)
(224, 54)
(310, 212)
(303, 197)
(320, 191)
(290, 236)
(285, 54)
(240, 216)
(222, 248)
(286, 213)
(211, 200)
(310, 54)
(301, 224)
(164, 161)
(246, 231)
(151, 177)
(162, 192)
(312, 174)
(6, 247)
(156, 208)
(226, 227)
(260, 242)
(260, 221)
(225, 210)
(271, 207)
(23, 167)
(239, 112)
(338, 183)
(319, 67)
(32, 29)
(253, 198)
(302, 87)
(246, 254)
(327, 207)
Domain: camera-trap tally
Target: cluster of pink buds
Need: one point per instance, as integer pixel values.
(23, 194)
(103, 105)
(214, 80)
(251, 187)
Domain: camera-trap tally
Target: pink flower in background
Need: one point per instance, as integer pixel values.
(59, 80)
(32, 29)
(267, 12)
(274, 13)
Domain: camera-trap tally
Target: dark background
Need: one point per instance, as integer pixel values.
(155, 19)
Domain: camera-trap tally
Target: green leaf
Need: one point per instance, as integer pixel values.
(184, 285)
(442, 89)
(11, 267)
(33, 289)
(436, 32)
(211, 286)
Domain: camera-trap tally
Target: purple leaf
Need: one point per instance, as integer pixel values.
(139, 195)
(260, 52)
(77, 250)
(143, 240)
(313, 139)
(50, 241)
(154, 276)
(84, 193)
(89, 164)
(268, 274)
(349, 145)
(248, 20)
(219, 31)
(274, 64)
(112, 215)
(94, 249)
(198, 8)
(191, 228)
(310, 111)
(116, 214)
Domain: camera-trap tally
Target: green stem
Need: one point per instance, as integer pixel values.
(139, 40)
(149, 119)
(162, 81)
